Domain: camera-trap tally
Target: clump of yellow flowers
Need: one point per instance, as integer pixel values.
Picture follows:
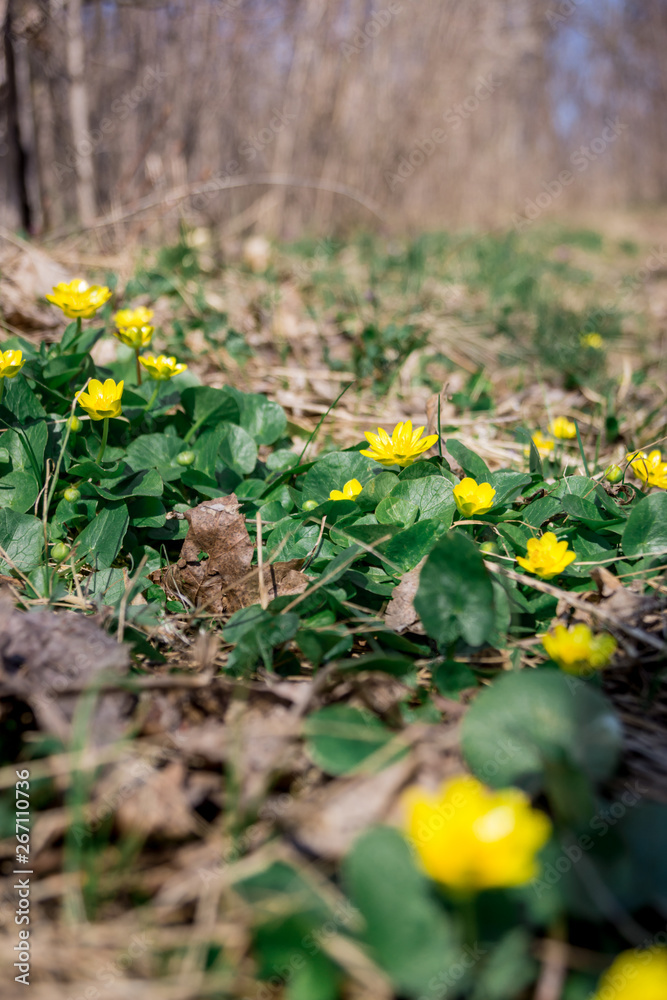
(402, 448)
(563, 429)
(78, 299)
(471, 838)
(547, 557)
(472, 498)
(101, 402)
(649, 468)
(162, 367)
(141, 316)
(577, 650)
(635, 975)
(350, 491)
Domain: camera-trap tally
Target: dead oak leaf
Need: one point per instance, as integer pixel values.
(214, 569)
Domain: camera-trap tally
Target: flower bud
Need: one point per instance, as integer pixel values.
(310, 505)
(185, 458)
(490, 548)
(71, 494)
(60, 551)
(613, 474)
(74, 424)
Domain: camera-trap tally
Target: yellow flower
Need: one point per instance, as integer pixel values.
(470, 838)
(593, 340)
(543, 444)
(472, 498)
(547, 556)
(135, 337)
(141, 316)
(577, 650)
(161, 367)
(635, 975)
(101, 401)
(649, 468)
(402, 448)
(11, 363)
(78, 300)
(350, 491)
(563, 429)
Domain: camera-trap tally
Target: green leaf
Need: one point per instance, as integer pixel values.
(22, 538)
(106, 586)
(376, 490)
(408, 933)
(578, 486)
(206, 405)
(156, 451)
(340, 738)
(452, 677)
(409, 546)
(26, 446)
(21, 401)
(147, 512)
(455, 596)
(332, 471)
(472, 464)
(539, 511)
(146, 483)
(264, 420)
(321, 645)
(508, 969)
(19, 490)
(646, 531)
(432, 497)
(238, 450)
(99, 543)
(259, 642)
(531, 719)
(508, 485)
(534, 459)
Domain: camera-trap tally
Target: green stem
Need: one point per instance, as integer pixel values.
(149, 404)
(136, 355)
(105, 434)
(2, 388)
(469, 915)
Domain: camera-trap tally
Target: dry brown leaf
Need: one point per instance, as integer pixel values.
(43, 654)
(160, 805)
(400, 614)
(222, 581)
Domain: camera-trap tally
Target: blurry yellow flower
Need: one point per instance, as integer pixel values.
(563, 429)
(78, 300)
(593, 340)
(350, 491)
(543, 444)
(635, 975)
(649, 468)
(577, 650)
(11, 363)
(101, 401)
(470, 838)
(402, 448)
(135, 337)
(547, 556)
(162, 367)
(141, 316)
(472, 498)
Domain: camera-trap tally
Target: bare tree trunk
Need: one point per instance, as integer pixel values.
(78, 110)
(18, 207)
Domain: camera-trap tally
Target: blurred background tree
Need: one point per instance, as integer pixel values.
(307, 115)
